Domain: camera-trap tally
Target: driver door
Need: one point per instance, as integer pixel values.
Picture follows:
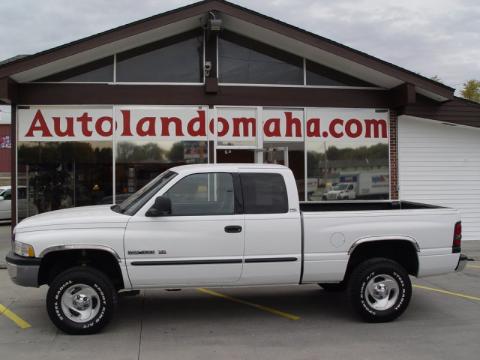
(200, 243)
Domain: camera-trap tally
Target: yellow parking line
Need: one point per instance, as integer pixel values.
(22, 324)
(248, 303)
(469, 297)
(473, 266)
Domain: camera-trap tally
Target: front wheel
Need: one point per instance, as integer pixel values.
(81, 300)
(379, 290)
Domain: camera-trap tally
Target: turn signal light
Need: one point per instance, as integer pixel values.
(24, 249)
(457, 238)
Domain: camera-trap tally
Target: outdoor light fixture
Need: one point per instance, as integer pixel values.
(214, 24)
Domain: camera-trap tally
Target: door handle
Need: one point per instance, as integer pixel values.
(233, 229)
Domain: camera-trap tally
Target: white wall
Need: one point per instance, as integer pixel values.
(440, 164)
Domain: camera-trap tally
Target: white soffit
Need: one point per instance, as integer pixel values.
(109, 49)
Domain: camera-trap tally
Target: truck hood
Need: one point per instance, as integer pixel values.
(78, 217)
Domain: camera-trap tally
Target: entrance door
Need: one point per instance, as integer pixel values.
(270, 155)
(235, 156)
(276, 155)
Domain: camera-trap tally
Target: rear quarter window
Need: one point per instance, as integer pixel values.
(264, 193)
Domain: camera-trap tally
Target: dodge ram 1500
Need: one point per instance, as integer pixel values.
(231, 225)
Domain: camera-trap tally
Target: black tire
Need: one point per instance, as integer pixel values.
(334, 287)
(374, 270)
(103, 303)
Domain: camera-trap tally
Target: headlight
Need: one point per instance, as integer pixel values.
(24, 249)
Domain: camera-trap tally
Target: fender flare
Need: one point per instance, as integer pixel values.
(368, 239)
(80, 247)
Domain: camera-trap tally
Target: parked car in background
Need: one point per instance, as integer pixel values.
(26, 207)
(5, 203)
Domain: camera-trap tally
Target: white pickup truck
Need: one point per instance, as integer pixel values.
(230, 225)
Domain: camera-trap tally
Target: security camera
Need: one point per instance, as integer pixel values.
(207, 68)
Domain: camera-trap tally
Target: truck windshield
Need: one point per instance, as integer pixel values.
(135, 201)
(340, 187)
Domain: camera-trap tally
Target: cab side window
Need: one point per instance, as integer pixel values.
(203, 194)
(264, 193)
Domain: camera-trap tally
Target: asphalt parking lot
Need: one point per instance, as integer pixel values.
(442, 322)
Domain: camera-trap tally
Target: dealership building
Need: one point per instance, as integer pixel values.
(96, 119)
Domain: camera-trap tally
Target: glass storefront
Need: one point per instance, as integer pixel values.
(55, 175)
(335, 154)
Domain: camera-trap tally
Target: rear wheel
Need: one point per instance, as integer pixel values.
(81, 300)
(379, 290)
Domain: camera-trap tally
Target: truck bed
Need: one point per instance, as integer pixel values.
(363, 205)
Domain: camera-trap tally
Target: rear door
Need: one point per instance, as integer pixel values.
(272, 229)
(200, 243)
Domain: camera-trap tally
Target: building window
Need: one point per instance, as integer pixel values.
(96, 71)
(138, 162)
(177, 59)
(321, 75)
(246, 61)
(57, 175)
(349, 158)
(341, 171)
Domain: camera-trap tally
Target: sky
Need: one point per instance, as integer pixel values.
(430, 37)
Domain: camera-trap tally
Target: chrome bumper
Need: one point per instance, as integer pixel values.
(23, 271)
(462, 262)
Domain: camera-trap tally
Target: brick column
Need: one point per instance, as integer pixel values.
(393, 155)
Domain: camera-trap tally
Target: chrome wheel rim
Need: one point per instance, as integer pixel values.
(80, 303)
(382, 292)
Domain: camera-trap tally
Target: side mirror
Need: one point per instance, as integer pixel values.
(161, 207)
(2, 198)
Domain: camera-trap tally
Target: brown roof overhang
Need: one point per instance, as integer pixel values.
(236, 11)
(456, 111)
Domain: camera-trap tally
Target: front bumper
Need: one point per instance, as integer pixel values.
(22, 270)
(462, 262)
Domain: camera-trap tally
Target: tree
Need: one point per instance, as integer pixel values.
(471, 90)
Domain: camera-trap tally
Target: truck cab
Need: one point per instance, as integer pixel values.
(342, 191)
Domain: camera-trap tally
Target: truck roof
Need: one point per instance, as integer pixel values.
(225, 167)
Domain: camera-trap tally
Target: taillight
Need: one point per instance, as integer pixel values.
(457, 238)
